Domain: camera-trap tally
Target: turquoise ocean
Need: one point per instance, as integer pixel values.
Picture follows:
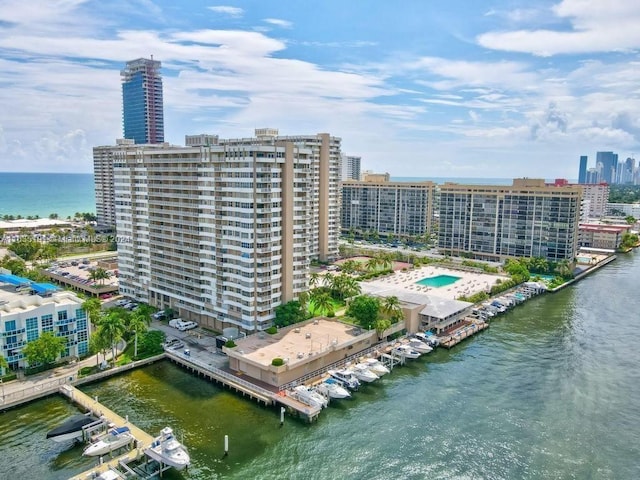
(41, 194)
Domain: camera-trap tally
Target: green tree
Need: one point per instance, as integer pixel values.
(381, 325)
(631, 220)
(322, 301)
(629, 240)
(365, 310)
(138, 322)
(112, 327)
(93, 307)
(45, 349)
(564, 269)
(3, 363)
(99, 343)
(392, 309)
(350, 266)
(289, 313)
(99, 275)
(314, 280)
(372, 264)
(385, 260)
(26, 248)
(14, 265)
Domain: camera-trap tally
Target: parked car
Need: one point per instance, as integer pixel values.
(183, 326)
(159, 315)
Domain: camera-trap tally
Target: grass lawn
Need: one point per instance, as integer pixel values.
(337, 305)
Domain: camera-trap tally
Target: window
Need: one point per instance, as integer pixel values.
(80, 313)
(9, 325)
(62, 315)
(47, 323)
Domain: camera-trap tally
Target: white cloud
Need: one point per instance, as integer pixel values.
(278, 22)
(227, 10)
(595, 27)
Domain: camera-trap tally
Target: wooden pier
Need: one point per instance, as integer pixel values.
(143, 439)
(458, 335)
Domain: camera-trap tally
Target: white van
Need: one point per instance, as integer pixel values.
(175, 322)
(182, 326)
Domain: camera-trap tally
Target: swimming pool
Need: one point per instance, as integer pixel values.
(438, 281)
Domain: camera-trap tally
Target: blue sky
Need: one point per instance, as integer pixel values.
(506, 88)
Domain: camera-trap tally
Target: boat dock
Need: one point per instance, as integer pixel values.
(459, 334)
(143, 439)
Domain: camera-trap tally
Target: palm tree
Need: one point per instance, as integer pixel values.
(113, 327)
(350, 287)
(98, 342)
(138, 322)
(314, 279)
(93, 307)
(3, 363)
(349, 266)
(321, 301)
(99, 274)
(385, 260)
(391, 307)
(372, 264)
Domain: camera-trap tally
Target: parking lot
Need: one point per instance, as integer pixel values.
(77, 273)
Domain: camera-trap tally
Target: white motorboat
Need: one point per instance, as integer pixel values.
(419, 346)
(332, 389)
(406, 351)
(429, 339)
(112, 440)
(376, 366)
(167, 450)
(309, 397)
(363, 373)
(345, 377)
(71, 429)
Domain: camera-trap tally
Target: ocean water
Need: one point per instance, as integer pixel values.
(550, 391)
(41, 194)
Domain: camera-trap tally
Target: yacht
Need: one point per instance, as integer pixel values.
(363, 373)
(428, 338)
(309, 397)
(347, 378)
(112, 440)
(419, 346)
(332, 389)
(168, 451)
(376, 366)
(71, 429)
(406, 351)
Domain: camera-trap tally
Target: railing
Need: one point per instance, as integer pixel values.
(332, 366)
(222, 374)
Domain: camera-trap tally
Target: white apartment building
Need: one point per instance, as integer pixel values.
(103, 180)
(595, 197)
(350, 169)
(24, 316)
(224, 233)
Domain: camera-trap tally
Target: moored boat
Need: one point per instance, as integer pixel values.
(71, 429)
(167, 450)
(346, 378)
(376, 366)
(406, 351)
(107, 443)
(363, 373)
(309, 397)
(332, 389)
(419, 346)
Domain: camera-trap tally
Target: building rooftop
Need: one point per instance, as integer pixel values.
(297, 343)
(442, 307)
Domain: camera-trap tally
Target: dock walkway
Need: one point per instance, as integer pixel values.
(99, 410)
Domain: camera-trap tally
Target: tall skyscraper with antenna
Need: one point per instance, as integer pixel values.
(142, 105)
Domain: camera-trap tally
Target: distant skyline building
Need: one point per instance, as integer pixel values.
(582, 172)
(142, 102)
(351, 167)
(607, 166)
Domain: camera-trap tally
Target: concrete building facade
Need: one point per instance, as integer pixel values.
(398, 208)
(224, 233)
(350, 169)
(527, 219)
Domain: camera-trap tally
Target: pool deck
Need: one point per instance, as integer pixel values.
(469, 283)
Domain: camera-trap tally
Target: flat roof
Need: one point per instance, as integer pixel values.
(443, 307)
(296, 343)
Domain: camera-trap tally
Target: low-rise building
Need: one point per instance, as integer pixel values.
(601, 236)
(28, 309)
(303, 348)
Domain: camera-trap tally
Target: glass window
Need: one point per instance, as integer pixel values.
(62, 315)
(9, 325)
(80, 313)
(32, 323)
